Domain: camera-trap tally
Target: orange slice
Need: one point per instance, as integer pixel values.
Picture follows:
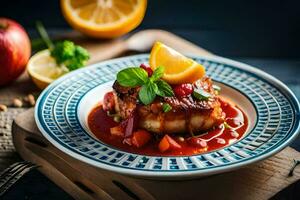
(178, 68)
(104, 18)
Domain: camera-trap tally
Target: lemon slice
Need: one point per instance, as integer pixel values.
(178, 68)
(104, 18)
(43, 69)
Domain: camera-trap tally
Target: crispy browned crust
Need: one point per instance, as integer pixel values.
(187, 115)
(126, 99)
(193, 105)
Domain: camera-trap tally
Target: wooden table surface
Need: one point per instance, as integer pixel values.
(287, 70)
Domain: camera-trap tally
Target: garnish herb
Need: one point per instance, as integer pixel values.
(164, 89)
(150, 86)
(44, 35)
(132, 77)
(65, 53)
(166, 107)
(226, 125)
(201, 94)
(217, 88)
(158, 72)
(148, 93)
(68, 54)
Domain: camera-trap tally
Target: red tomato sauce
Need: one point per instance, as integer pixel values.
(223, 135)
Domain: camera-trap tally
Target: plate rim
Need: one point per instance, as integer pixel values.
(182, 174)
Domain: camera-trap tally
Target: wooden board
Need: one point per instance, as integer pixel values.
(82, 181)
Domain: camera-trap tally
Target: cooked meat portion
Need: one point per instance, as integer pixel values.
(179, 121)
(192, 104)
(188, 114)
(126, 99)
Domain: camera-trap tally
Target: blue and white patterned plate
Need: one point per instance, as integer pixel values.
(273, 110)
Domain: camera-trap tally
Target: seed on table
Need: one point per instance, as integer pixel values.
(30, 99)
(3, 108)
(17, 103)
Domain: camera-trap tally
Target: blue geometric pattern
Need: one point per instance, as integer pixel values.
(277, 123)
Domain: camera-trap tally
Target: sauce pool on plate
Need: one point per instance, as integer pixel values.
(233, 129)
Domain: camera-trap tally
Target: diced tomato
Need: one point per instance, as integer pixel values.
(117, 130)
(183, 90)
(163, 144)
(168, 143)
(109, 102)
(147, 69)
(140, 138)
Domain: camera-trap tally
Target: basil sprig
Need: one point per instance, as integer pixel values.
(158, 72)
(148, 92)
(132, 77)
(150, 86)
(164, 89)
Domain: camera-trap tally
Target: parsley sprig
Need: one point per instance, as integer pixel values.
(150, 86)
(68, 54)
(65, 53)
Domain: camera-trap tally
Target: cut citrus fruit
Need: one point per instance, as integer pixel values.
(43, 69)
(104, 18)
(178, 68)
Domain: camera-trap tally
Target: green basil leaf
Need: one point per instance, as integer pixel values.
(164, 89)
(158, 72)
(201, 94)
(166, 107)
(148, 93)
(132, 77)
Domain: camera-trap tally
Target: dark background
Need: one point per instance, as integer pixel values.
(233, 28)
(265, 34)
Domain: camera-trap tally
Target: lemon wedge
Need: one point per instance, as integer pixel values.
(43, 69)
(178, 68)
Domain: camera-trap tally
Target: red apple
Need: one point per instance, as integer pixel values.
(15, 50)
